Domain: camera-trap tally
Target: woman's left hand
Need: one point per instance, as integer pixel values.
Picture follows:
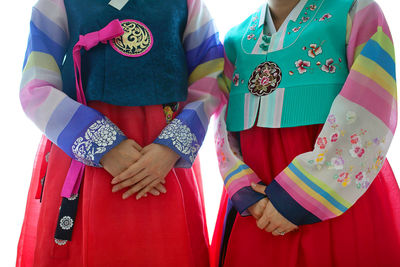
(147, 172)
(271, 220)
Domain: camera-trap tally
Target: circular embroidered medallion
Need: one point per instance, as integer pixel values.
(136, 41)
(265, 79)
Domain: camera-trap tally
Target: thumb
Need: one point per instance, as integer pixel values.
(258, 188)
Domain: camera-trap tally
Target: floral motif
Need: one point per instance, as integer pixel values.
(250, 36)
(351, 117)
(296, 29)
(98, 136)
(235, 79)
(335, 137)
(357, 151)
(331, 119)
(355, 139)
(344, 179)
(265, 79)
(60, 242)
(362, 180)
(66, 223)
(252, 28)
(182, 138)
(320, 158)
(302, 65)
(305, 19)
(314, 50)
(337, 163)
(312, 7)
(322, 142)
(329, 67)
(325, 17)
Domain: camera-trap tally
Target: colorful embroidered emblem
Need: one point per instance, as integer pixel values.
(136, 41)
(265, 79)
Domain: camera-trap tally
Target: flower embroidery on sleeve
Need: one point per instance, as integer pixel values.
(312, 7)
(97, 138)
(343, 178)
(235, 79)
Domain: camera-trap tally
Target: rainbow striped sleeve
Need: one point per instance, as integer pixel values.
(68, 124)
(351, 149)
(204, 55)
(236, 174)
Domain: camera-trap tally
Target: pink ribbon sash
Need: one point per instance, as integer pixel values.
(87, 41)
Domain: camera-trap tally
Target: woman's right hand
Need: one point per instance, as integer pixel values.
(121, 157)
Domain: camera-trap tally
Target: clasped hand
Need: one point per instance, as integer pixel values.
(267, 217)
(142, 170)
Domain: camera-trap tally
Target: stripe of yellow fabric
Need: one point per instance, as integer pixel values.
(384, 41)
(307, 190)
(238, 176)
(358, 49)
(238, 163)
(322, 185)
(375, 72)
(224, 83)
(205, 69)
(42, 60)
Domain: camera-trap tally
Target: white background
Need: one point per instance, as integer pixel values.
(19, 137)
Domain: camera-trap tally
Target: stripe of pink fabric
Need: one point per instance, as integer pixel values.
(364, 24)
(242, 182)
(370, 96)
(301, 197)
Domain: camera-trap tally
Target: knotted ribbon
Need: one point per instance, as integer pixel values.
(87, 41)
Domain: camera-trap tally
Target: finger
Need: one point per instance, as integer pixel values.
(279, 232)
(131, 171)
(148, 188)
(154, 192)
(272, 226)
(135, 145)
(161, 188)
(259, 188)
(138, 186)
(263, 221)
(129, 182)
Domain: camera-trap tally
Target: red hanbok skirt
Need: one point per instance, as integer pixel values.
(167, 230)
(365, 235)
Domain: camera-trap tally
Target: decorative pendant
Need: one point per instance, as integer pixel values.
(136, 41)
(265, 79)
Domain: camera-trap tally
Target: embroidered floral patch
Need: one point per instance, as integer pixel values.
(136, 41)
(302, 65)
(265, 79)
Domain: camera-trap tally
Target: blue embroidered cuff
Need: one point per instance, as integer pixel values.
(245, 198)
(180, 138)
(287, 206)
(99, 138)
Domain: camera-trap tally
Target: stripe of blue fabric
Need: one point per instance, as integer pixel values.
(48, 27)
(239, 169)
(77, 126)
(198, 107)
(287, 206)
(210, 49)
(40, 42)
(190, 118)
(195, 39)
(60, 117)
(316, 188)
(375, 52)
(244, 198)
